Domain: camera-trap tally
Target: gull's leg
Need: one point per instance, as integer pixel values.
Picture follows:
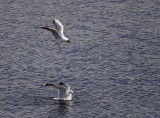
(60, 49)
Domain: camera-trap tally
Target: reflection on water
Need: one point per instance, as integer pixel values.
(64, 102)
(60, 108)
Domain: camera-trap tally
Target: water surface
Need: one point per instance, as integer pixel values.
(113, 63)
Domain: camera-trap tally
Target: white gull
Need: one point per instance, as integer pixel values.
(57, 33)
(64, 92)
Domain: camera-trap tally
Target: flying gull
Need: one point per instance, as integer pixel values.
(57, 33)
(64, 92)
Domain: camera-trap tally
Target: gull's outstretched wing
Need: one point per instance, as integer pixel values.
(58, 26)
(62, 90)
(53, 31)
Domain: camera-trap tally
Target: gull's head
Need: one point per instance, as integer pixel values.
(68, 41)
(64, 85)
(54, 20)
(61, 83)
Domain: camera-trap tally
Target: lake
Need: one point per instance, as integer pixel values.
(112, 64)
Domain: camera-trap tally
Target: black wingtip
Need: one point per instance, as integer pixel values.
(47, 84)
(39, 26)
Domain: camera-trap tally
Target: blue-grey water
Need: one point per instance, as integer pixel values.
(112, 64)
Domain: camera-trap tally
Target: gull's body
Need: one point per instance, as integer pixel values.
(64, 92)
(57, 33)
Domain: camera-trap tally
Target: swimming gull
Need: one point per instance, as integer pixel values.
(57, 33)
(64, 92)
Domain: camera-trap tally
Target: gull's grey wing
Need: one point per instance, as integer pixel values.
(53, 31)
(66, 86)
(62, 89)
(58, 26)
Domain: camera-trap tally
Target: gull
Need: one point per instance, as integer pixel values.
(57, 33)
(64, 92)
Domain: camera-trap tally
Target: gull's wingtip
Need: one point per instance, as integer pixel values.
(48, 85)
(39, 26)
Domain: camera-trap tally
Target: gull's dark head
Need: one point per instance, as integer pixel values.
(68, 41)
(54, 21)
(61, 83)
